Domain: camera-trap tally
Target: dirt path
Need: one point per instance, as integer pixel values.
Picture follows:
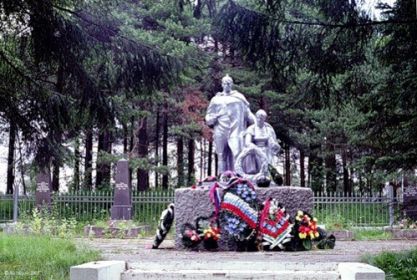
(138, 250)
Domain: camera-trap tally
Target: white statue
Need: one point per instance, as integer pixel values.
(263, 136)
(229, 114)
(261, 146)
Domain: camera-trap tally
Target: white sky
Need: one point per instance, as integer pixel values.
(369, 7)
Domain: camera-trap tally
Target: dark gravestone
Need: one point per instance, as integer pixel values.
(43, 189)
(410, 201)
(122, 204)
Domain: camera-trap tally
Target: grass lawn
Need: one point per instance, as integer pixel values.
(402, 265)
(39, 257)
(371, 234)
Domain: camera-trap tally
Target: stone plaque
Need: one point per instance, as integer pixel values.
(122, 205)
(410, 201)
(43, 189)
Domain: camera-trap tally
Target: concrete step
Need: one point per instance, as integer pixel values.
(230, 274)
(200, 269)
(229, 269)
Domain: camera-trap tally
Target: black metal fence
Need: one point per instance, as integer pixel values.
(147, 206)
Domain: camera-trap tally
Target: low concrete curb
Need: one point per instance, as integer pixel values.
(360, 271)
(226, 270)
(101, 270)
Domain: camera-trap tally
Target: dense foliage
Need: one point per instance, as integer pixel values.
(338, 86)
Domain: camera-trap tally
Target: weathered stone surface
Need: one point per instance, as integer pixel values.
(192, 203)
(410, 201)
(342, 234)
(230, 269)
(403, 233)
(114, 232)
(101, 270)
(43, 189)
(360, 271)
(122, 206)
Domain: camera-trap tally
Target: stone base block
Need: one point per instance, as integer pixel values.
(360, 271)
(342, 234)
(403, 233)
(192, 203)
(121, 212)
(114, 232)
(101, 270)
(230, 269)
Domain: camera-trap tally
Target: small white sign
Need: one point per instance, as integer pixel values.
(122, 186)
(42, 187)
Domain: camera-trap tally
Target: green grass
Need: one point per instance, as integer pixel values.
(371, 234)
(401, 266)
(40, 257)
(358, 214)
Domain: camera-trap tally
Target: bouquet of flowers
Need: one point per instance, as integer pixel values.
(305, 230)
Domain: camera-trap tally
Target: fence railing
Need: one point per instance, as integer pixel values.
(147, 207)
(355, 211)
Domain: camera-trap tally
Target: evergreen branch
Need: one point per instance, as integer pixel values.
(323, 24)
(112, 30)
(21, 73)
(349, 25)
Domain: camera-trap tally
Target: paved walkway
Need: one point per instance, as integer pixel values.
(138, 250)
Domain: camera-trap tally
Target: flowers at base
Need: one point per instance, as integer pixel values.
(211, 233)
(245, 192)
(307, 228)
(192, 234)
(234, 226)
(190, 237)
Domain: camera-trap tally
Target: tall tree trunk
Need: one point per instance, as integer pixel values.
(216, 164)
(21, 165)
(180, 162)
(302, 169)
(125, 138)
(201, 159)
(210, 158)
(315, 167)
(10, 157)
(157, 146)
(287, 166)
(360, 179)
(331, 173)
(142, 137)
(56, 163)
(346, 187)
(191, 170)
(131, 147)
(88, 164)
(165, 146)
(77, 164)
(198, 5)
(55, 176)
(103, 167)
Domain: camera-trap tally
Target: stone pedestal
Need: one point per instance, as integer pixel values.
(191, 203)
(122, 205)
(43, 189)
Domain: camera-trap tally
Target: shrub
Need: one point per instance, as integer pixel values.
(402, 265)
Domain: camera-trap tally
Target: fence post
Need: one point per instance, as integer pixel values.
(15, 202)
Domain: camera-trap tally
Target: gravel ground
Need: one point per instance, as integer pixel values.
(139, 250)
